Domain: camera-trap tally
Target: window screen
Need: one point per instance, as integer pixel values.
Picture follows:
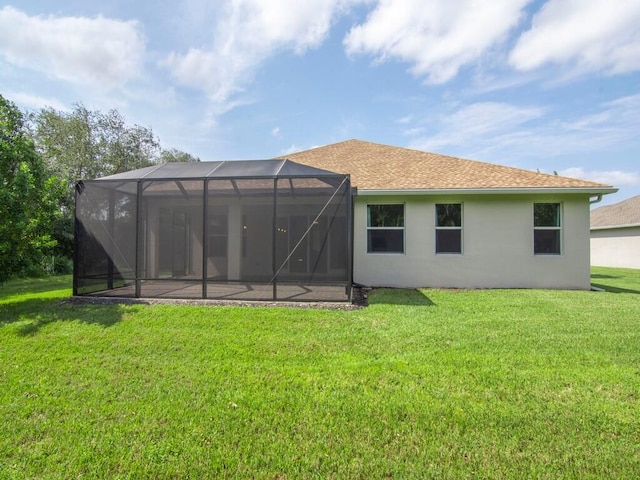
(448, 228)
(385, 228)
(547, 227)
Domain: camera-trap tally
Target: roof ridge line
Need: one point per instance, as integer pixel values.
(153, 169)
(220, 162)
(282, 162)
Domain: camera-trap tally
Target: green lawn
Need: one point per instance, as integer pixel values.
(617, 280)
(421, 384)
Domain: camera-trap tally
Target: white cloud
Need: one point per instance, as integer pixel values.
(35, 102)
(405, 120)
(477, 121)
(614, 122)
(291, 149)
(295, 149)
(594, 35)
(500, 131)
(437, 37)
(246, 34)
(275, 132)
(616, 178)
(100, 51)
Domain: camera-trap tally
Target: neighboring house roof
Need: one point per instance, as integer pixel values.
(621, 214)
(373, 166)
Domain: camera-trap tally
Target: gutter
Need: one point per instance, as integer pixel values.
(596, 200)
(599, 192)
(615, 227)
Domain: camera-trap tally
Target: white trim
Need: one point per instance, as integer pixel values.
(486, 191)
(403, 229)
(460, 229)
(615, 227)
(559, 228)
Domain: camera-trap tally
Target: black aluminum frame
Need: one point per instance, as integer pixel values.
(114, 278)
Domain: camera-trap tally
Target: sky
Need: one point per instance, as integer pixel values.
(548, 85)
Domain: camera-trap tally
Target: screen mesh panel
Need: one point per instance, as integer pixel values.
(171, 237)
(243, 230)
(106, 221)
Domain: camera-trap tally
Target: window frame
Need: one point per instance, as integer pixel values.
(402, 229)
(459, 228)
(558, 228)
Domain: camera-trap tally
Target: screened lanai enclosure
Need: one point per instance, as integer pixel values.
(244, 230)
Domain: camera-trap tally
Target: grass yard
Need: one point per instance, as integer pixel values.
(617, 280)
(421, 384)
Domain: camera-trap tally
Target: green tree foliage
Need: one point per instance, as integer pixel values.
(83, 144)
(29, 198)
(42, 155)
(175, 155)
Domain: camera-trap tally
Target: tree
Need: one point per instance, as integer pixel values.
(28, 199)
(122, 148)
(175, 155)
(83, 144)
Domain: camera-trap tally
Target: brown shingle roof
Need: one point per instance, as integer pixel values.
(373, 166)
(626, 212)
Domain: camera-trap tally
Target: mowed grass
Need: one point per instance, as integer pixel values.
(617, 280)
(421, 384)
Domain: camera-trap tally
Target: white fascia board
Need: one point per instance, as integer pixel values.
(487, 191)
(616, 227)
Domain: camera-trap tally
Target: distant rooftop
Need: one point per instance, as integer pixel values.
(619, 214)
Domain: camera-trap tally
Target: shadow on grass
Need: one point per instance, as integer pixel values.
(611, 289)
(598, 275)
(399, 296)
(38, 312)
(33, 286)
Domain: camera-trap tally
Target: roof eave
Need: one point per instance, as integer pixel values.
(489, 191)
(615, 227)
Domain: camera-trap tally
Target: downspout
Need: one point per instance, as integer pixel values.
(596, 200)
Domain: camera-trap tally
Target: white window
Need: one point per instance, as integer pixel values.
(385, 228)
(448, 228)
(547, 229)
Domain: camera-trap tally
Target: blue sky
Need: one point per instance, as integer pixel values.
(550, 85)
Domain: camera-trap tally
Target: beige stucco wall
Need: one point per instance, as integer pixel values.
(616, 247)
(497, 245)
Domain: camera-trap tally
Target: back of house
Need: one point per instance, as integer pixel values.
(428, 220)
(615, 234)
